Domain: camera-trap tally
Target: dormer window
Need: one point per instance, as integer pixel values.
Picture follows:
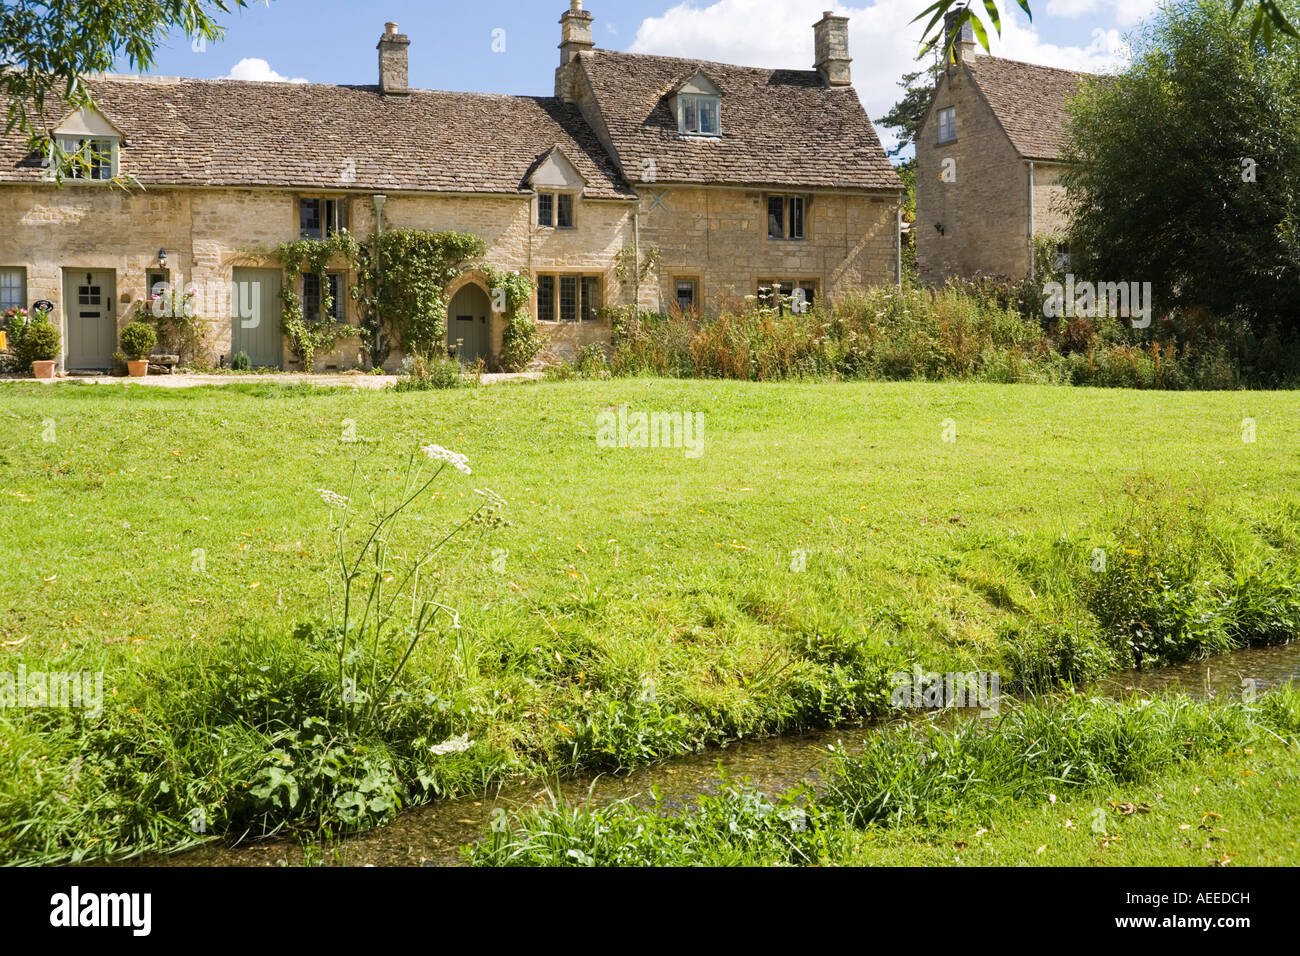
(699, 107)
(699, 115)
(89, 158)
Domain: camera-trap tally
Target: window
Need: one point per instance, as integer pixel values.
(311, 299)
(568, 298)
(319, 218)
(13, 289)
(791, 296)
(157, 282)
(555, 209)
(686, 291)
(948, 124)
(546, 298)
(699, 115)
(786, 216)
(90, 158)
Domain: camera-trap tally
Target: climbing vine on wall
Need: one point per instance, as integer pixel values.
(310, 335)
(511, 293)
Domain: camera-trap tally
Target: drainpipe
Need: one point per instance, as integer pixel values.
(1033, 265)
(636, 261)
(378, 201)
(898, 245)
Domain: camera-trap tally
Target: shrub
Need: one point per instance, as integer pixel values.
(40, 342)
(520, 342)
(138, 340)
(241, 362)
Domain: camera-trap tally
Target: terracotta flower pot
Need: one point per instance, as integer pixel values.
(42, 368)
(137, 368)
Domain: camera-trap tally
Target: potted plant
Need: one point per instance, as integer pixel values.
(40, 344)
(138, 341)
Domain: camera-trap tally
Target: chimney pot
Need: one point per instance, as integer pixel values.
(831, 36)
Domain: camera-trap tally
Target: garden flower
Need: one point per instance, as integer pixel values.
(457, 461)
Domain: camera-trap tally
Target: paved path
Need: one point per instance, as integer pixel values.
(373, 382)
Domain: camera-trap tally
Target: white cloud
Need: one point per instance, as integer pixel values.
(882, 39)
(259, 71)
(1125, 13)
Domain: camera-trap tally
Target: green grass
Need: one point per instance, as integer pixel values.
(1072, 782)
(641, 603)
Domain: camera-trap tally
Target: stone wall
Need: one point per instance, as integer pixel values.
(984, 212)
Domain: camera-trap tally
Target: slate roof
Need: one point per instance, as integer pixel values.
(1029, 101)
(309, 135)
(779, 127)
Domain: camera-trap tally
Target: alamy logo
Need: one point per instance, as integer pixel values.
(1088, 300)
(927, 690)
(54, 689)
(74, 909)
(624, 429)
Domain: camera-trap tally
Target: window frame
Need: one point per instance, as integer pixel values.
(557, 200)
(695, 292)
(951, 113)
(338, 313)
(21, 273)
(789, 203)
(586, 286)
(73, 145)
(331, 216)
(698, 101)
(778, 286)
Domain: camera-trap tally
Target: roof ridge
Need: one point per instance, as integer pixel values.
(974, 61)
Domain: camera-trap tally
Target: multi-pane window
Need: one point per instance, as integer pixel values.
(319, 218)
(90, 158)
(786, 216)
(789, 296)
(555, 209)
(311, 296)
(13, 290)
(546, 298)
(686, 291)
(568, 298)
(948, 124)
(699, 115)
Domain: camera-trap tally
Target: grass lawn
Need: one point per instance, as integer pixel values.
(143, 531)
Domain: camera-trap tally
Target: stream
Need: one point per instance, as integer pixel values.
(432, 835)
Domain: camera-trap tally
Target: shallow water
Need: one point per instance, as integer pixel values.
(432, 835)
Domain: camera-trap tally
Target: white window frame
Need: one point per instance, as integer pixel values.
(947, 122)
(698, 101)
(10, 272)
(103, 144)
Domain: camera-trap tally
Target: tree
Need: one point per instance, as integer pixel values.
(905, 116)
(1270, 18)
(47, 47)
(1186, 169)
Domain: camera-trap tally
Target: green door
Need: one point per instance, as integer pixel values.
(467, 324)
(90, 319)
(255, 316)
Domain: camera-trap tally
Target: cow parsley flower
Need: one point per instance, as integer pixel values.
(456, 745)
(332, 499)
(457, 461)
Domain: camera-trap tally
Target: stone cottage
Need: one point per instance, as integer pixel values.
(989, 163)
(724, 182)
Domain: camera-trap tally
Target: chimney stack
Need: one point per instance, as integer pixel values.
(832, 40)
(963, 44)
(394, 72)
(575, 38)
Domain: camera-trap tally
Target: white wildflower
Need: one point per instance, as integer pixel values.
(332, 499)
(457, 461)
(456, 745)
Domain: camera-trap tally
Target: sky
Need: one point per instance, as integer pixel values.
(510, 46)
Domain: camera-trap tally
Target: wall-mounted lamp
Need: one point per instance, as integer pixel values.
(162, 258)
(939, 226)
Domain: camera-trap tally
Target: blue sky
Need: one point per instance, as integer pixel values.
(333, 41)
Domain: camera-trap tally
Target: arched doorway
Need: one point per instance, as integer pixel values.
(469, 324)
